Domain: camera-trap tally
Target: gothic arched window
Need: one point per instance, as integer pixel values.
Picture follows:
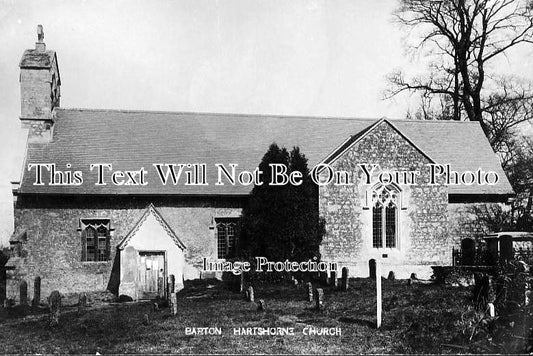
(227, 236)
(385, 207)
(95, 240)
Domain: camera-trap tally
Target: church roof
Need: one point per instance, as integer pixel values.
(130, 140)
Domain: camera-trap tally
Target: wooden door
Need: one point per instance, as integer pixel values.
(152, 275)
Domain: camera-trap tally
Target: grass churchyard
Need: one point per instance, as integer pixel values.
(283, 318)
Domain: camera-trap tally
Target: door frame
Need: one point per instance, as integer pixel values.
(164, 253)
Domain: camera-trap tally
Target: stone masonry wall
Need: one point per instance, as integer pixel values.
(463, 222)
(53, 247)
(423, 237)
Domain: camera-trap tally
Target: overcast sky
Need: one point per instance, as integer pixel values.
(319, 58)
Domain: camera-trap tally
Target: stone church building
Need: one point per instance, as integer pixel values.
(123, 235)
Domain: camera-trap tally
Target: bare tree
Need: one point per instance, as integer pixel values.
(463, 37)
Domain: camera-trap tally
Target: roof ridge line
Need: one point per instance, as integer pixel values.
(282, 116)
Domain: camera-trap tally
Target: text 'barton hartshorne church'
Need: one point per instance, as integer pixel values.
(126, 238)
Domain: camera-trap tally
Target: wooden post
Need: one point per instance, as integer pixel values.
(378, 294)
(310, 291)
(241, 282)
(171, 284)
(250, 294)
(319, 298)
(173, 304)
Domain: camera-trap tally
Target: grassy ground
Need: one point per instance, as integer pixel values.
(416, 319)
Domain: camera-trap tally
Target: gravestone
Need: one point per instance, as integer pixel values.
(250, 294)
(173, 304)
(36, 292)
(261, 305)
(391, 276)
(372, 268)
(333, 279)
(319, 298)
(54, 301)
(23, 292)
(344, 279)
(310, 291)
(82, 303)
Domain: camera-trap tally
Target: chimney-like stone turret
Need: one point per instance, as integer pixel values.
(39, 89)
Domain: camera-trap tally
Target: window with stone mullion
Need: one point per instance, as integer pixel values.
(384, 218)
(221, 240)
(390, 226)
(377, 226)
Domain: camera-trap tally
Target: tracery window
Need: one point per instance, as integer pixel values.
(95, 240)
(227, 236)
(385, 207)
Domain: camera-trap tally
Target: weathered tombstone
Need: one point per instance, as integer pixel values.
(372, 268)
(333, 279)
(36, 292)
(391, 276)
(250, 294)
(378, 294)
(173, 304)
(54, 301)
(171, 284)
(319, 298)
(23, 292)
(82, 303)
(261, 305)
(344, 279)
(310, 291)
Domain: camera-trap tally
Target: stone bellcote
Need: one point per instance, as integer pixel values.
(39, 89)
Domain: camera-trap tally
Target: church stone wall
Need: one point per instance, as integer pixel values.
(423, 239)
(53, 247)
(463, 222)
